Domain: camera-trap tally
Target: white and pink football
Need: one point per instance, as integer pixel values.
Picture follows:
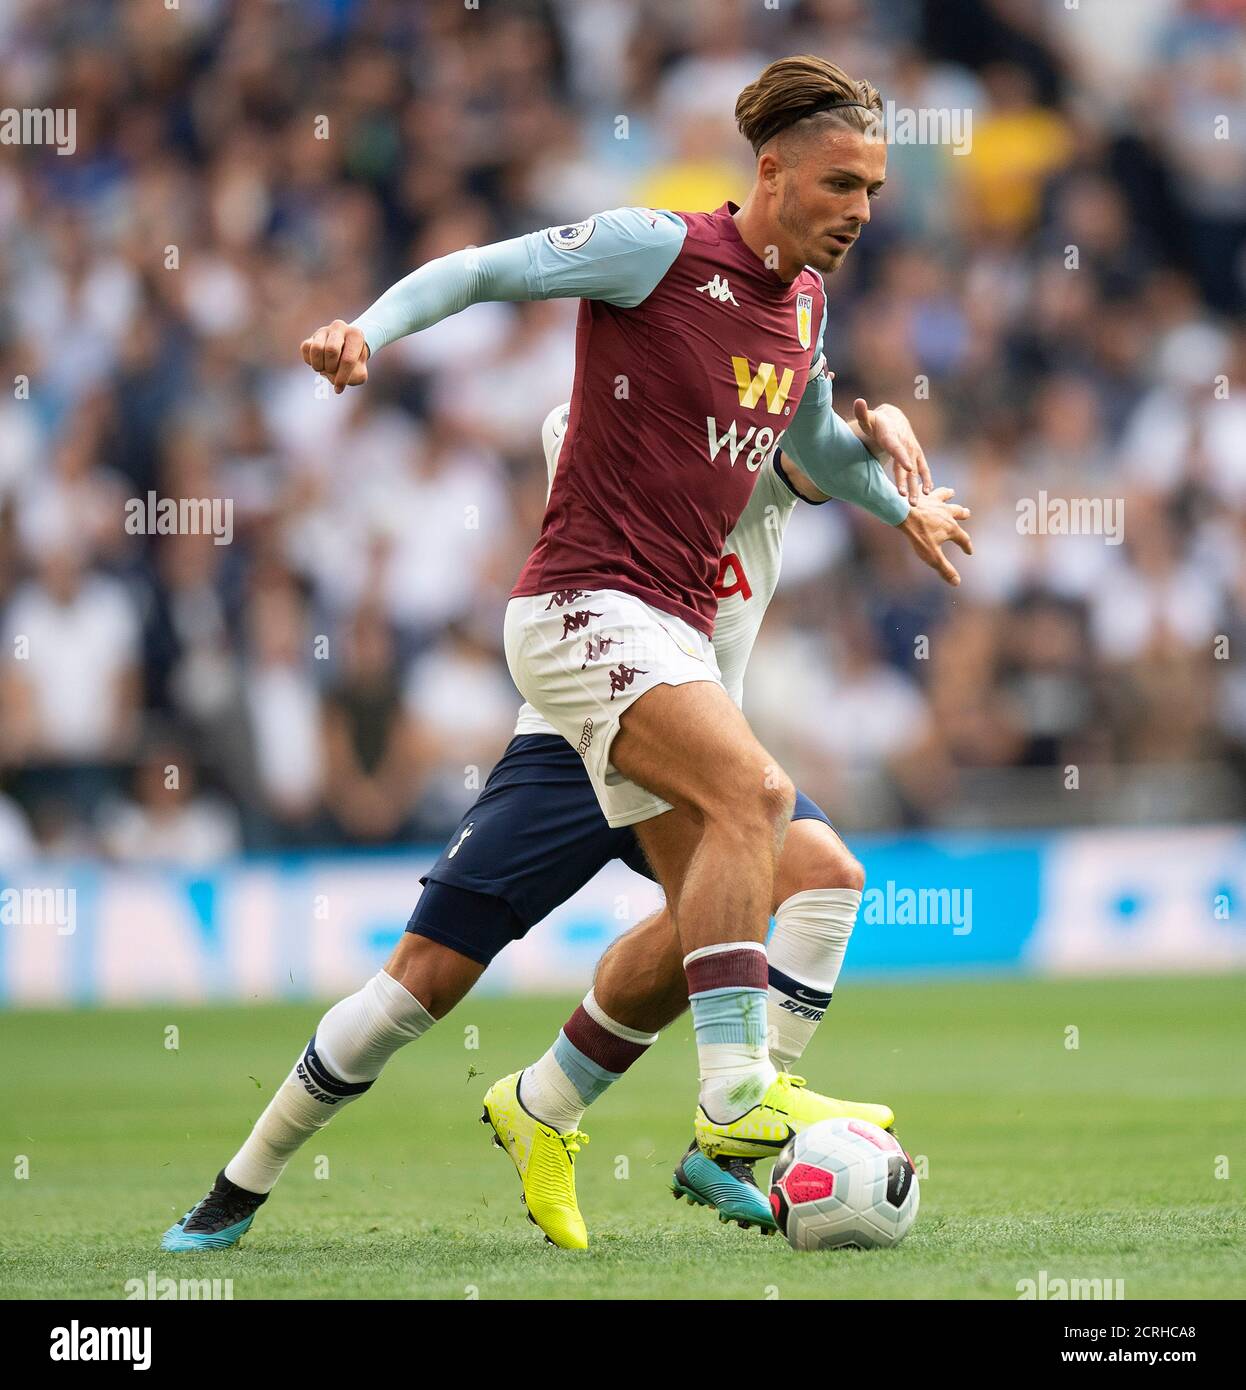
(843, 1183)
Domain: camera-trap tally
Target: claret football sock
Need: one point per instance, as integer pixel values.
(727, 991)
(806, 952)
(590, 1053)
(352, 1043)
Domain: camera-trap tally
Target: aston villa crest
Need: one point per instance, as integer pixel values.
(804, 319)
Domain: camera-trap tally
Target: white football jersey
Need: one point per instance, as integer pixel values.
(747, 573)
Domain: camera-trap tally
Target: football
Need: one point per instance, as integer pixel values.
(843, 1183)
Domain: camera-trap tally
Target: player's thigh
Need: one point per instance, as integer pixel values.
(814, 856)
(692, 746)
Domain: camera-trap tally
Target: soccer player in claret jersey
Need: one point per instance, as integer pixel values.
(699, 350)
(534, 836)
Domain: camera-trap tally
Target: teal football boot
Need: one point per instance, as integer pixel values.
(221, 1219)
(727, 1185)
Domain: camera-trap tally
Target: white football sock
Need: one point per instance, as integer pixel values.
(806, 952)
(361, 1033)
(547, 1092)
(589, 1054)
(352, 1043)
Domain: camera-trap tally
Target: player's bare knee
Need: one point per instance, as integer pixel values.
(434, 974)
(778, 797)
(839, 868)
(757, 811)
(775, 801)
(814, 858)
(854, 875)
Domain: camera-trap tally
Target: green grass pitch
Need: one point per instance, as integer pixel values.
(1099, 1161)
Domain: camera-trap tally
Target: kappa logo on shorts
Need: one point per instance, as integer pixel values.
(561, 597)
(586, 738)
(574, 622)
(622, 677)
(592, 653)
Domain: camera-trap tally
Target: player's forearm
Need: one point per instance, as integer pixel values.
(831, 453)
(865, 485)
(444, 287)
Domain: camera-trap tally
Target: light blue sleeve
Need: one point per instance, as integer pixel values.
(825, 448)
(618, 256)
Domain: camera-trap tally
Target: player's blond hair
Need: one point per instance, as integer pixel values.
(793, 91)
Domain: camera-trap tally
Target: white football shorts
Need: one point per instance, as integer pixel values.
(581, 658)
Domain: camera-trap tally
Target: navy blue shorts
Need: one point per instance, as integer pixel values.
(534, 837)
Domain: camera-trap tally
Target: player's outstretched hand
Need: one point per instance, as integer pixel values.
(932, 520)
(888, 431)
(339, 353)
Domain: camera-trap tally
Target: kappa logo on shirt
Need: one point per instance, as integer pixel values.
(719, 289)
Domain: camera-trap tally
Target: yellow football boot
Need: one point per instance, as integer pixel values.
(785, 1108)
(545, 1160)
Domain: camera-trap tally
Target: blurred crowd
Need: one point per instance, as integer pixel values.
(1061, 310)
